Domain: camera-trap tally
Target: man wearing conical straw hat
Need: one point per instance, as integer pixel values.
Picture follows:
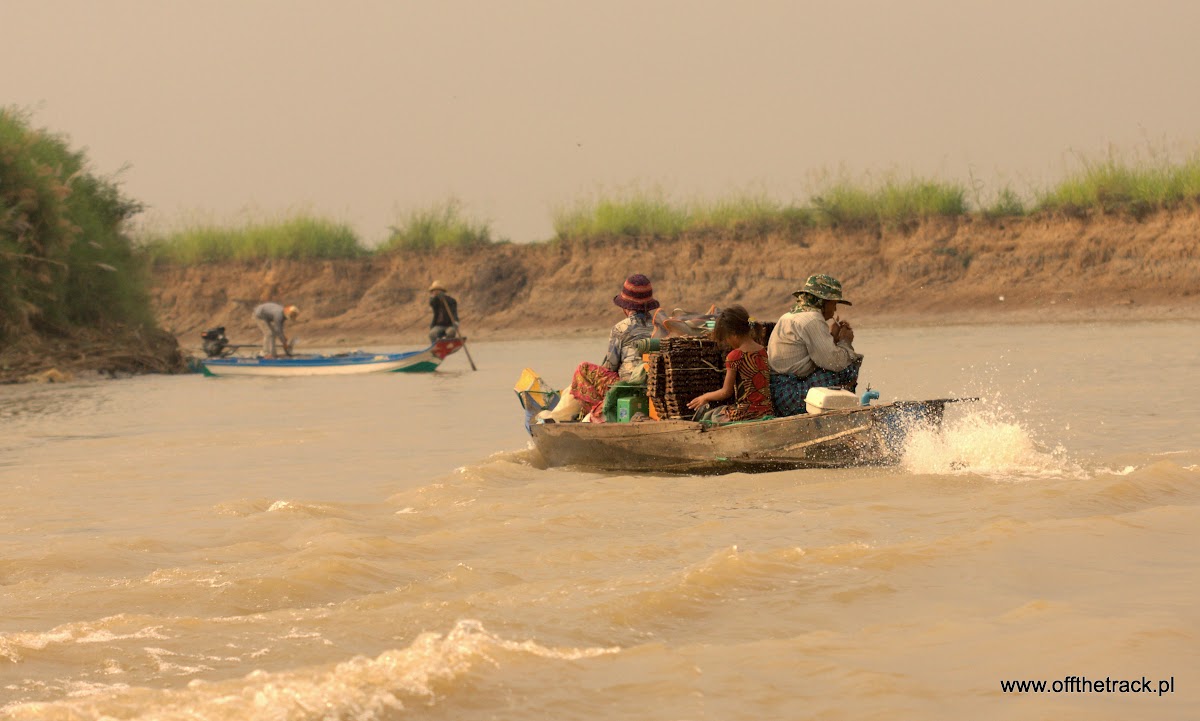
(445, 313)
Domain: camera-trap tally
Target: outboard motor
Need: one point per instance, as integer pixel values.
(216, 345)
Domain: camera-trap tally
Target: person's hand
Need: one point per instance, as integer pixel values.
(845, 333)
(834, 326)
(698, 401)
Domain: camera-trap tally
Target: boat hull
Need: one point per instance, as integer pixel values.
(421, 361)
(871, 435)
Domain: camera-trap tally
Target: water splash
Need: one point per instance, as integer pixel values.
(985, 442)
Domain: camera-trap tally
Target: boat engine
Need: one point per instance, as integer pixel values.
(215, 344)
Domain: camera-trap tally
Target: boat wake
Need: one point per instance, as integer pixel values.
(434, 667)
(503, 464)
(984, 441)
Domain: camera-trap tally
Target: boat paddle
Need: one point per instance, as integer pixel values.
(469, 359)
(464, 340)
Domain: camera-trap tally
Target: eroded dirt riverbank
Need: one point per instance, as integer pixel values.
(964, 271)
(959, 271)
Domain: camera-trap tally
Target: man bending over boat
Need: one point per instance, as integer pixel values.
(811, 348)
(591, 382)
(271, 318)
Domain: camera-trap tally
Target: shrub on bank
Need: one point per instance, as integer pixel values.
(301, 237)
(1112, 186)
(893, 202)
(651, 215)
(439, 226)
(1109, 186)
(1006, 204)
(751, 214)
(647, 214)
(65, 259)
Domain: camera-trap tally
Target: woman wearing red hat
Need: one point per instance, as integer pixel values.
(591, 381)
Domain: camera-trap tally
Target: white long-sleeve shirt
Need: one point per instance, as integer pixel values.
(801, 343)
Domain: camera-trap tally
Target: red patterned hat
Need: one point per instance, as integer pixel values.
(636, 294)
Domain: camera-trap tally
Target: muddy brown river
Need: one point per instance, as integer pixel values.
(388, 547)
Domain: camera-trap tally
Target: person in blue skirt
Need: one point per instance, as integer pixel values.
(811, 347)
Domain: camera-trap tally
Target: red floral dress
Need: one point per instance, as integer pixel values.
(751, 385)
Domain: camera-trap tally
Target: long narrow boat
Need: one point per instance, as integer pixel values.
(420, 361)
(867, 435)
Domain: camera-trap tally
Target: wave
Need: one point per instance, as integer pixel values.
(433, 667)
(728, 573)
(503, 465)
(17, 646)
(500, 470)
(1160, 483)
(311, 577)
(246, 507)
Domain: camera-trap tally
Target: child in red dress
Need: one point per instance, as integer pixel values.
(747, 374)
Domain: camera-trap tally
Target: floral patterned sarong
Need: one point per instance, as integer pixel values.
(589, 385)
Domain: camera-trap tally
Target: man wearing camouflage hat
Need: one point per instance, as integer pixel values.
(811, 348)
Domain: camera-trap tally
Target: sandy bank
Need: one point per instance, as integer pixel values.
(957, 271)
(943, 272)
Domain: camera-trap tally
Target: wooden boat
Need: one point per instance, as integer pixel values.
(421, 361)
(866, 435)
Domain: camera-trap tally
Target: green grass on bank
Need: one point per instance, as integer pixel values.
(1107, 186)
(893, 202)
(750, 214)
(301, 237)
(443, 225)
(1113, 186)
(1007, 203)
(633, 214)
(653, 215)
(306, 237)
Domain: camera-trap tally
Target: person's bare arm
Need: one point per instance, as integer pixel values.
(720, 394)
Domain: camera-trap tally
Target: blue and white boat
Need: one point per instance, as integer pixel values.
(420, 361)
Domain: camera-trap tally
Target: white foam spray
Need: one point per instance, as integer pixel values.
(983, 441)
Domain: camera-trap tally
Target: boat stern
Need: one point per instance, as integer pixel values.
(445, 346)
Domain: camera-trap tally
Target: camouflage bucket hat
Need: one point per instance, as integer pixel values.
(824, 287)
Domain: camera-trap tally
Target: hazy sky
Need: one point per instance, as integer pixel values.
(362, 110)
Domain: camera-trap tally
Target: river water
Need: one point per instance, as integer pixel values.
(387, 547)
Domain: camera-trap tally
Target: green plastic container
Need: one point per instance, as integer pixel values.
(628, 406)
(617, 392)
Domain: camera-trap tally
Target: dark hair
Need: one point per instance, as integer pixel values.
(760, 331)
(734, 320)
